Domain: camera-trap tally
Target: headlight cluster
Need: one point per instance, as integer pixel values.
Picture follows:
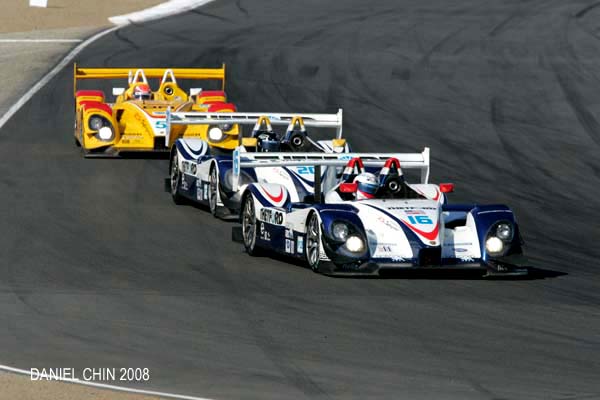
(340, 231)
(504, 231)
(355, 244)
(499, 236)
(96, 123)
(103, 126)
(215, 134)
(343, 233)
(226, 127)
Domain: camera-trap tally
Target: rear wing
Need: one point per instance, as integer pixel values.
(243, 159)
(258, 119)
(121, 73)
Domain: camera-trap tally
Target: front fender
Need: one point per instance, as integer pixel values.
(90, 137)
(486, 217)
(270, 194)
(335, 249)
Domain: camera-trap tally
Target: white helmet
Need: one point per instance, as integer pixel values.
(367, 185)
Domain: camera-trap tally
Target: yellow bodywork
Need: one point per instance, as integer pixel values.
(141, 124)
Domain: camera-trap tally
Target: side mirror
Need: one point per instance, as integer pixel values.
(117, 91)
(446, 187)
(296, 139)
(348, 187)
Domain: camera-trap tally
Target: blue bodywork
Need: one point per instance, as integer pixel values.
(278, 238)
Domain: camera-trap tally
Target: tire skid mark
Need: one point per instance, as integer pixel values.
(586, 119)
(497, 119)
(581, 13)
(240, 300)
(239, 6)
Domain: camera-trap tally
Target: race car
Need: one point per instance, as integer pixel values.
(202, 174)
(136, 119)
(370, 219)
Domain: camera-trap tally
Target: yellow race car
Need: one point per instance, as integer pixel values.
(137, 118)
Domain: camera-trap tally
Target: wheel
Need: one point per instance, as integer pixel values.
(313, 242)
(77, 133)
(213, 188)
(249, 225)
(175, 179)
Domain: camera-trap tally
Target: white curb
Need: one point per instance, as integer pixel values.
(160, 11)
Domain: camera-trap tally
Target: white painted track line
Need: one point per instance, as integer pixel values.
(160, 11)
(170, 8)
(42, 82)
(106, 386)
(40, 40)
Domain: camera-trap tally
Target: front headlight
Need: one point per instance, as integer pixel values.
(215, 134)
(340, 231)
(105, 133)
(96, 123)
(494, 246)
(504, 231)
(355, 244)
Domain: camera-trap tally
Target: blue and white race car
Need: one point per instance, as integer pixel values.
(354, 226)
(202, 173)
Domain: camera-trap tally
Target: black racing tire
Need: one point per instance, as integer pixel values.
(175, 179)
(312, 245)
(213, 191)
(76, 134)
(249, 225)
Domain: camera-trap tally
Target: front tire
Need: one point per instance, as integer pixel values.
(175, 178)
(213, 191)
(249, 225)
(312, 249)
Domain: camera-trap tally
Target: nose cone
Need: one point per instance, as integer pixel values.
(422, 219)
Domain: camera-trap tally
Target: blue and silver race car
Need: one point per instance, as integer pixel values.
(342, 229)
(202, 173)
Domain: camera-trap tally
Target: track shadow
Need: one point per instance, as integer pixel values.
(144, 156)
(126, 155)
(541, 273)
(429, 274)
(432, 274)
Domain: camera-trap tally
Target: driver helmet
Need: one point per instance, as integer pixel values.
(142, 92)
(367, 185)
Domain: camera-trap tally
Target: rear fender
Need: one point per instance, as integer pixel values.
(328, 146)
(431, 191)
(211, 96)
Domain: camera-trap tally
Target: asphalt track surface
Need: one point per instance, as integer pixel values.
(99, 268)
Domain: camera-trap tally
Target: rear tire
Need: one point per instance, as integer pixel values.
(175, 178)
(312, 248)
(249, 225)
